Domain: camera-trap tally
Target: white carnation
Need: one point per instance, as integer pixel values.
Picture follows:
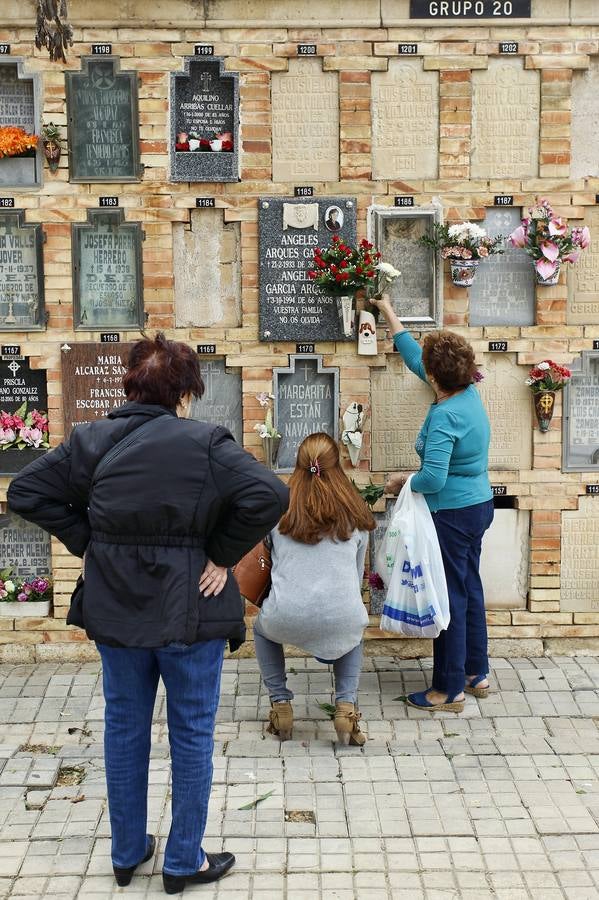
(388, 271)
(9, 586)
(466, 230)
(544, 366)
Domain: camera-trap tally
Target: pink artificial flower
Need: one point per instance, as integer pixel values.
(39, 420)
(572, 256)
(483, 251)
(7, 436)
(3, 594)
(585, 238)
(549, 250)
(545, 268)
(557, 227)
(21, 597)
(32, 436)
(466, 253)
(518, 237)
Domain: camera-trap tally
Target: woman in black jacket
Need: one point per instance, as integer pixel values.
(160, 507)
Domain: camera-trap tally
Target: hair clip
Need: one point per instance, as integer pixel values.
(315, 468)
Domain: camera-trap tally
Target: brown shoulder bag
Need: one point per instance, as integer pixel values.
(252, 573)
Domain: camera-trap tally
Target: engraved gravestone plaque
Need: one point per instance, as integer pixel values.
(24, 548)
(580, 560)
(107, 278)
(292, 307)
(21, 273)
(417, 295)
(103, 121)
(306, 401)
(503, 292)
(19, 105)
(383, 520)
(585, 121)
(92, 381)
(583, 279)
(23, 390)
(204, 120)
(507, 400)
(400, 402)
(581, 415)
(221, 403)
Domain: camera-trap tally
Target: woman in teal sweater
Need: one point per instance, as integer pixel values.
(453, 445)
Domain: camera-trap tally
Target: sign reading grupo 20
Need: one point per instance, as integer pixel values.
(470, 9)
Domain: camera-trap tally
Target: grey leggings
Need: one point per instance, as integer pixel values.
(271, 660)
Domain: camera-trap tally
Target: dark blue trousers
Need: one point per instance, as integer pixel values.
(462, 648)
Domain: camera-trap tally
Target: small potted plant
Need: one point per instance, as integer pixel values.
(53, 143)
(271, 438)
(464, 245)
(24, 596)
(544, 380)
(17, 156)
(546, 238)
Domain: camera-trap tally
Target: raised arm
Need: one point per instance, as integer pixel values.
(406, 346)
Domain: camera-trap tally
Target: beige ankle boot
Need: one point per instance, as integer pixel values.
(346, 724)
(281, 719)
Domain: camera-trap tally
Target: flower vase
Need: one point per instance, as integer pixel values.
(345, 308)
(34, 609)
(367, 334)
(463, 271)
(544, 405)
(551, 279)
(52, 152)
(271, 451)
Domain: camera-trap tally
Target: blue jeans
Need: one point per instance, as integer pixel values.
(191, 675)
(271, 659)
(462, 648)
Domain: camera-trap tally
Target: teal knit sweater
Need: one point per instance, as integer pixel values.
(453, 443)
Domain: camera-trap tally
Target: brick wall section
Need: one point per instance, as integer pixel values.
(354, 53)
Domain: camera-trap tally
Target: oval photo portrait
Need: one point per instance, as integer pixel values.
(333, 218)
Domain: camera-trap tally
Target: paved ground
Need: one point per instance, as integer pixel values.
(501, 802)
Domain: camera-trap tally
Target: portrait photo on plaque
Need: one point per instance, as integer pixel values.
(21, 273)
(333, 218)
(107, 272)
(103, 121)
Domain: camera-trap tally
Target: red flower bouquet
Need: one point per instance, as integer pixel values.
(341, 269)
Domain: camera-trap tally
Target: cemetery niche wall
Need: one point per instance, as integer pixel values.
(21, 273)
(103, 121)
(107, 276)
(204, 122)
(581, 416)
(20, 108)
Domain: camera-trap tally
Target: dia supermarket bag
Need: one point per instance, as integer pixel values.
(417, 604)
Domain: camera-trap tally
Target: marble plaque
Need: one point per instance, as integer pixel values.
(508, 404)
(24, 548)
(207, 269)
(103, 121)
(107, 277)
(221, 403)
(580, 416)
(292, 307)
(400, 402)
(306, 401)
(417, 295)
(21, 273)
(19, 105)
(305, 123)
(583, 279)
(580, 560)
(585, 121)
(503, 292)
(504, 560)
(204, 120)
(92, 381)
(505, 120)
(405, 121)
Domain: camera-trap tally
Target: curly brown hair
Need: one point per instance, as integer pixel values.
(322, 500)
(449, 359)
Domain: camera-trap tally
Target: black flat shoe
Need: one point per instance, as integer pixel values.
(218, 865)
(124, 876)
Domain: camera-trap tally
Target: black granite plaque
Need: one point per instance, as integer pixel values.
(24, 548)
(107, 277)
(306, 401)
(204, 120)
(580, 416)
(103, 121)
(22, 390)
(92, 381)
(293, 308)
(417, 295)
(221, 403)
(21, 273)
(448, 11)
(19, 105)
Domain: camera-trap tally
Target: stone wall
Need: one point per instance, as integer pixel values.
(492, 125)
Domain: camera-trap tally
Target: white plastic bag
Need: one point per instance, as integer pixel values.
(417, 603)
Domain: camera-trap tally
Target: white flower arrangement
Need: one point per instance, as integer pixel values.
(466, 231)
(266, 429)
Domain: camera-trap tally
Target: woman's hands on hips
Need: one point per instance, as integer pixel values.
(213, 579)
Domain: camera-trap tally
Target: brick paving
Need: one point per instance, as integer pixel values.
(501, 802)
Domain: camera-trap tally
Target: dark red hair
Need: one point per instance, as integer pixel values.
(161, 372)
